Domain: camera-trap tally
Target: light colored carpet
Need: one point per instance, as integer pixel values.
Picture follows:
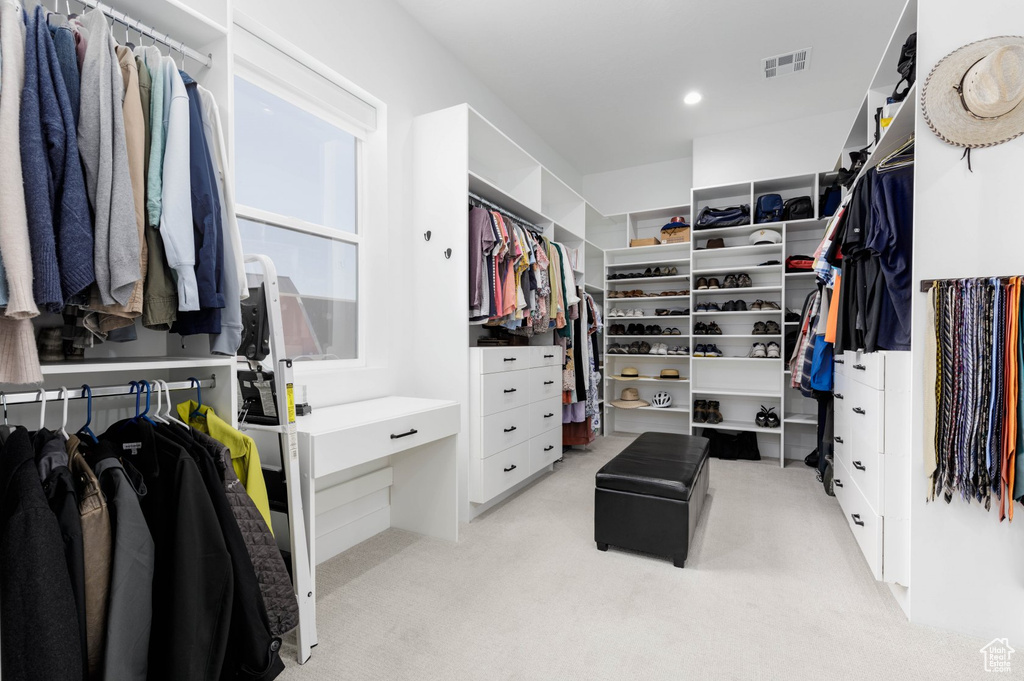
(775, 588)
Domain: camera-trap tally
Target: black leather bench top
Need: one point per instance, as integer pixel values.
(657, 464)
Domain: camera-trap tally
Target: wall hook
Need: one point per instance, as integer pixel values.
(426, 235)
(447, 254)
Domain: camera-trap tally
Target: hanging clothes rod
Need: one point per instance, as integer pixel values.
(78, 393)
(928, 284)
(120, 17)
(525, 223)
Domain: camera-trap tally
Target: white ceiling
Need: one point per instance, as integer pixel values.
(602, 81)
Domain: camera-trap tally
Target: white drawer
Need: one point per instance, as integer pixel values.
(867, 417)
(494, 475)
(867, 368)
(546, 356)
(545, 415)
(545, 449)
(842, 361)
(503, 430)
(333, 451)
(865, 524)
(867, 471)
(503, 391)
(545, 382)
(493, 360)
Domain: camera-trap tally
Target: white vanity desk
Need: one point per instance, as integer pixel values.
(419, 436)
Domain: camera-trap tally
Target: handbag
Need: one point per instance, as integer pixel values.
(800, 208)
(907, 67)
(732, 216)
(732, 446)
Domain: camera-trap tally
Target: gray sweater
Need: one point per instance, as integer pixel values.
(101, 142)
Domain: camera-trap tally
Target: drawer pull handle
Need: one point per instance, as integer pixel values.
(401, 435)
(549, 356)
(856, 519)
(837, 482)
(549, 382)
(839, 361)
(839, 396)
(549, 448)
(838, 439)
(510, 390)
(858, 410)
(510, 468)
(547, 416)
(510, 359)
(860, 367)
(859, 466)
(509, 430)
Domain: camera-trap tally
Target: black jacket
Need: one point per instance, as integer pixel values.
(39, 634)
(252, 652)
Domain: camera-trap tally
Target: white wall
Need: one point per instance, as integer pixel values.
(967, 569)
(655, 185)
(795, 147)
(379, 47)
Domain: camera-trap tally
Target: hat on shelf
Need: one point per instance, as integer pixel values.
(765, 236)
(630, 400)
(717, 242)
(973, 97)
(627, 373)
(669, 373)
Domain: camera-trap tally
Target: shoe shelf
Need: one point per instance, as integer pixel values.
(755, 336)
(793, 323)
(664, 316)
(737, 290)
(736, 312)
(647, 335)
(736, 269)
(671, 410)
(647, 299)
(738, 250)
(736, 392)
(681, 250)
(736, 359)
(801, 275)
(612, 355)
(738, 425)
(648, 379)
(593, 290)
(647, 280)
(801, 419)
(647, 263)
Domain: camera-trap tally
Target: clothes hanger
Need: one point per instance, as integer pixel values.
(196, 413)
(3, 399)
(85, 430)
(42, 409)
(149, 390)
(157, 413)
(66, 396)
(170, 415)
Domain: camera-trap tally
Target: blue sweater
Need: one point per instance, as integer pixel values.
(206, 225)
(59, 224)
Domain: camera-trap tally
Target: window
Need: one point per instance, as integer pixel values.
(298, 146)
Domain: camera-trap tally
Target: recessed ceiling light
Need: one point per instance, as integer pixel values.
(693, 98)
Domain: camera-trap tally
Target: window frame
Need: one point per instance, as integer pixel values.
(259, 71)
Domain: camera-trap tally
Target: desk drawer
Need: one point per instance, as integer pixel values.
(546, 356)
(335, 451)
(545, 415)
(545, 449)
(493, 360)
(503, 430)
(503, 391)
(498, 473)
(545, 382)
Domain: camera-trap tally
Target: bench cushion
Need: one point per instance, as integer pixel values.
(663, 465)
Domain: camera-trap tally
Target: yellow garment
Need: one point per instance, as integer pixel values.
(244, 456)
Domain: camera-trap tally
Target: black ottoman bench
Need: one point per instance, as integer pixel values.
(650, 496)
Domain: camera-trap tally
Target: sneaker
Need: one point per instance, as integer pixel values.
(758, 351)
(774, 351)
(700, 351)
(660, 312)
(714, 329)
(614, 348)
(744, 280)
(702, 284)
(675, 332)
(769, 305)
(684, 351)
(729, 306)
(772, 328)
(702, 307)
(714, 413)
(673, 351)
(700, 411)
(759, 329)
(731, 281)
(741, 306)
(637, 312)
(700, 329)
(634, 348)
(713, 307)
(645, 348)
(713, 283)
(712, 351)
(757, 305)
(773, 418)
(662, 349)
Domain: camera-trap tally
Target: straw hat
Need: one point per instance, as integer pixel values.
(974, 97)
(628, 374)
(669, 373)
(630, 400)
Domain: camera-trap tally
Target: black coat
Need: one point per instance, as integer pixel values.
(39, 633)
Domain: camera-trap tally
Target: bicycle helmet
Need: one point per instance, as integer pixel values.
(662, 399)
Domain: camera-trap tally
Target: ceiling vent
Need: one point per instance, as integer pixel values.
(783, 64)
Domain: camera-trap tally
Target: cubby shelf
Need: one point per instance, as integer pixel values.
(608, 320)
(648, 299)
(739, 426)
(737, 250)
(737, 313)
(755, 336)
(737, 291)
(134, 365)
(801, 419)
(647, 280)
(660, 336)
(646, 263)
(647, 379)
(736, 392)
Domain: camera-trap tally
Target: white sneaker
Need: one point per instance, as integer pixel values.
(662, 349)
(773, 351)
(758, 351)
(639, 313)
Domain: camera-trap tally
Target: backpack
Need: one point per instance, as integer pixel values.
(723, 217)
(907, 67)
(830, 200)
(768, 208)
(800, 208)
